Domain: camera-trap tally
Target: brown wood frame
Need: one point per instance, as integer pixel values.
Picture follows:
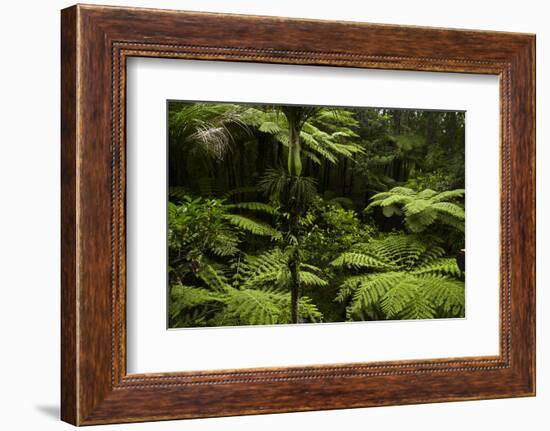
(95, 43)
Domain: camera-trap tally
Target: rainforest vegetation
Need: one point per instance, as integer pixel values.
(305, 214)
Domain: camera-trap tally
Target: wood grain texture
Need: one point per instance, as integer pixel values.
(69, 397)
(96, 41)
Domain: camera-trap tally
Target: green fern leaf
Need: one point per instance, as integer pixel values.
(310, 279)
(397, 298)
(371, 290)
(269, 127)
(451, 209)
(419, 307)
(422, 209)
(440, 266)
(254, 206)
(416, 206)
(213, 277)
(254, 307)
(449, 195)
(253, 226)
(445, 293)
(360, 260)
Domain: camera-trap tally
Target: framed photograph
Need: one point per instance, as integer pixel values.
(266, 215)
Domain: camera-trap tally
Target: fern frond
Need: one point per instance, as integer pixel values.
(190, 296)
(308, 311)
(213, 277)
(253, 226)
(396, 299)
(312, 156)
(451, 209)
(360, 260)
(270, 127)
(440, 266)
(418, 307)
(446, 293)
(431, 254)
(418, 222)
(254, 206)
(449, 195)
(385, 200)
(416, 206)
(451, 221)
(310, 279)
(224, 244)
(371, 290)
(426, 194)
(391, 210)
(191, 305)
(401, 250)
(265, 269)
(313, 268)
(254, 307)
(417, 282)
(403, 191)
(257, 307)
(421, 209)
(349, 285)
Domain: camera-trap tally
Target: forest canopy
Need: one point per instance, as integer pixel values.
(308, 214)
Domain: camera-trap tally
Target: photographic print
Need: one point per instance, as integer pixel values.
(285, 214)
(259, 201)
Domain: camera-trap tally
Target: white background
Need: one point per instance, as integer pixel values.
(29, 228)
(151, 348)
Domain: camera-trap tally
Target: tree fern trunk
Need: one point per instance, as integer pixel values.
(294, 267)
(295, 170)
(294, 156)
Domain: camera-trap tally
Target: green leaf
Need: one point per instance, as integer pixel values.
(254, 206)
(310, 279)
(253, 226)
(360, 260)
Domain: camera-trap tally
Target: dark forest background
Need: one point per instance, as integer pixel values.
(281, 214)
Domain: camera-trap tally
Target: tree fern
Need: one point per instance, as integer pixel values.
(193, 306)
(422, 209)
(293, 193)
(252, 290)
(326, 133)
(408, 278)
(270, 269)
(205, 127)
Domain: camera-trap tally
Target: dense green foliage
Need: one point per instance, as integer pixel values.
(286, 214)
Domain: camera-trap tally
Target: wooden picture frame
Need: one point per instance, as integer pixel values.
(95, 43)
